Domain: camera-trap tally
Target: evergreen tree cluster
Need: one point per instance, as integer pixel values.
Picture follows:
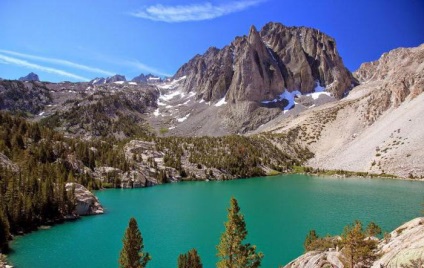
(236, 155)
(35, 164)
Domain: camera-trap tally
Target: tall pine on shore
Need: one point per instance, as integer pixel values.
(132, 255)
(231, 252)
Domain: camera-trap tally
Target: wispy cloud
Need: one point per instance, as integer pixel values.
(194, 12)
(10, 60)
(58, 62)
(144, 68)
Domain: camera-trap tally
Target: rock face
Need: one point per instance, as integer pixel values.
(87, 203)
(264, 64)
(401, 72)
(30, 77)
(405, 244)
(376, 128)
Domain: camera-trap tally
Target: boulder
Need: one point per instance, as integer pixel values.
(87, 202)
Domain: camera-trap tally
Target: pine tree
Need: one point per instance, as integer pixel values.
(231, 252)
(190, 260)
(356, 247)
(309, 240)
(132, 255)
(373, 229)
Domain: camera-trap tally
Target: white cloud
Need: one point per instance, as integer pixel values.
(144, 68)
(57, 61)
(10, 60)
(194, 12)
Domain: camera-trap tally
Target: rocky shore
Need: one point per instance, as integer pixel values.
(402, 246)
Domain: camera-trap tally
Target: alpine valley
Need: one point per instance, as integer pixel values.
(277, 100)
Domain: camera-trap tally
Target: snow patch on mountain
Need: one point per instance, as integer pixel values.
(182, 119)
(220, 102)
(289, 96)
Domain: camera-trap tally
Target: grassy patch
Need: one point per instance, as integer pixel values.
(339, 172)
(273, 173)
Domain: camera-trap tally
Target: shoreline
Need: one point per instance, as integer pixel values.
(322, 173)
(348, 174)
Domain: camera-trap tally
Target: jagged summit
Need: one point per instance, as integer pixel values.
(266, 63)
(142, 78)
(149, 78)
(112, 79)
(30, 77)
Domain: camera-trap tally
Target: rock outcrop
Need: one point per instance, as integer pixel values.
(264, 64)
(87, 203)
(6, 163)
(400, 72)
(318, 259)
(149, 78)
(30, 77)
(403, 245)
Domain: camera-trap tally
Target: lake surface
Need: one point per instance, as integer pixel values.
(173, 218)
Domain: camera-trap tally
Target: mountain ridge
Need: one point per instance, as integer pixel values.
(354, 133)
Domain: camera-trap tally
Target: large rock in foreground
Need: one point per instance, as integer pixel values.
(406, 244)
(87, 203)
(402, 247)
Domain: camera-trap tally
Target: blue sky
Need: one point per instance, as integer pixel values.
(78, 40)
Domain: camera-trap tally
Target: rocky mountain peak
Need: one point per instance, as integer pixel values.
(112, 79)
(116, 78)
(258, 75)
(253, 35)
(310, 56)
(266, 63)
(149, 78)
(30, 77)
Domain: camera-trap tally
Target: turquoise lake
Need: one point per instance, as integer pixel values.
(173, 218)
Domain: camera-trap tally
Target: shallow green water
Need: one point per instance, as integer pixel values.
(174, 218)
